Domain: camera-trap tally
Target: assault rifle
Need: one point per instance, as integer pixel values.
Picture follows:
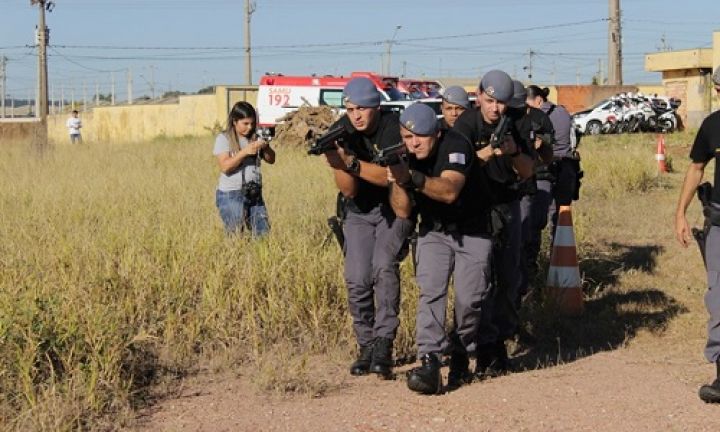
(327, 142)
(392, 155)
(501, 130)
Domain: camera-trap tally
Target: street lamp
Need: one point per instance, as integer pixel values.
(389, 48)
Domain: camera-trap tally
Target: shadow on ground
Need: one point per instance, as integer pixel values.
(612, 317)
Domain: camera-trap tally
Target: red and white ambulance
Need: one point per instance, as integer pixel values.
(280, 94)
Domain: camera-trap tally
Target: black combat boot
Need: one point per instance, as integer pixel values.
(382, 361)
(459, 369)
(711, 393)
(426, 379)
(361, 366)
(492, 360)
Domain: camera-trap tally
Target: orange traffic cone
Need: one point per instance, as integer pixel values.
(564, 286)
(660, 155)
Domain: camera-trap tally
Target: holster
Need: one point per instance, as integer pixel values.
(500, 219)
(711, 213)
(542, 172)
(336, 222)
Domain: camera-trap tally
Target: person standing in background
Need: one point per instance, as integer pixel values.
(74, 124)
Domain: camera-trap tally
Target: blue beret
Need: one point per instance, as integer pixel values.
(456, 95)
(362, 92)
(419, 119)
(497, 84)
(519, 99)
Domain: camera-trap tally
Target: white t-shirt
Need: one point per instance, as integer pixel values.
(74, 124)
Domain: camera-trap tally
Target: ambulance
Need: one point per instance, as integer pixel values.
(279, 95)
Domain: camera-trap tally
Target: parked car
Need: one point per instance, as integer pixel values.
(591, 121)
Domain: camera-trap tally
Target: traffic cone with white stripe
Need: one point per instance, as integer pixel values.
(660, 154)
(564, 286)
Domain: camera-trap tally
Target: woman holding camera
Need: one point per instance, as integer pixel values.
(239, 153)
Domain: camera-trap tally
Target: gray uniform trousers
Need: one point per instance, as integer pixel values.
(509, 276)
(467, 259)
(712, 296)
(536, 211)
(375, 243)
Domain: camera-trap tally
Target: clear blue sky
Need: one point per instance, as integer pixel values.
(448, 38)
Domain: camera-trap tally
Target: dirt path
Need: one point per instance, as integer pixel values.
(621, 390)
(647, 382)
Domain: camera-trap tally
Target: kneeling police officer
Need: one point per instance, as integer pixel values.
(441, 183)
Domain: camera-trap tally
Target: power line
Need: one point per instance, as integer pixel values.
(331, 44)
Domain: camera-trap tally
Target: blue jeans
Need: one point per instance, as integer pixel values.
(236, 214)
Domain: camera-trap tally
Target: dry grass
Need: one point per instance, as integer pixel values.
(115, 273)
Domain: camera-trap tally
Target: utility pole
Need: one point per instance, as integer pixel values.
(130, 86)
(404, 74)
(62, 98)
(614, 45)
(152, 81)
(43, 34)
(72, 97)
(249, 10)
(112, 88)
(529, 67)
(97, 94)
(84, 97)
(577, 76)
(388, 44)
(3, 82)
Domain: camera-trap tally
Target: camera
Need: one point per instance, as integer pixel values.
(266, 134)
(252, 192)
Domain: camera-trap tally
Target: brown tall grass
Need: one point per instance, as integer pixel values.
(115, 272)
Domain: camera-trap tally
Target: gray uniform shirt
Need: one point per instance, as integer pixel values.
(562, 123)
(248, 169)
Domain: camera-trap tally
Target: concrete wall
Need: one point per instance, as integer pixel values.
(677, 60)
(651, 89)
(193, 115)
(18, 129)
(578, 98)
(692, 87)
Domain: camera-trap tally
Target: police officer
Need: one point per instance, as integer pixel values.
(504, 168)
(536, 133)
(375, 240)
(705, 149)
(556, 181)
(442, 184)
(454, 102)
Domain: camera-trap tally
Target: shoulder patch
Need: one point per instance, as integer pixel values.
(457, 158)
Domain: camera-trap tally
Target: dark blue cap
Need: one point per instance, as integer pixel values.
(456, 95)
(519, 99)
(362, 92)
(419, 119)
(497, 84)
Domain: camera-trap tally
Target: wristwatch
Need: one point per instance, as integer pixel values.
(353, 167)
